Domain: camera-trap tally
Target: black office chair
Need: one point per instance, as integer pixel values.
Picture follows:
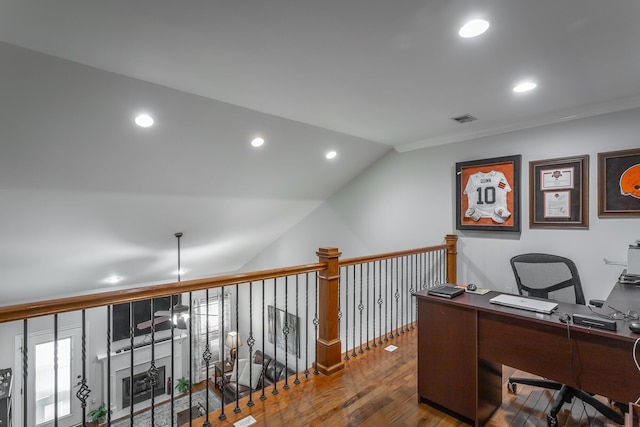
(538, 275)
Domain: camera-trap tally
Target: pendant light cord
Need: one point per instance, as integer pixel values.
(178, 235)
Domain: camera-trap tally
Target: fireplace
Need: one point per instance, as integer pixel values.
(120, 368)
(142, 387)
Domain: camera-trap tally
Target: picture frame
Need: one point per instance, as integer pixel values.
(559, 192)
(488, 194)
(277, 320)
(619, 183)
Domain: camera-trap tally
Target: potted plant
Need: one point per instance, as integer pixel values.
(183, 385)
(99, 415)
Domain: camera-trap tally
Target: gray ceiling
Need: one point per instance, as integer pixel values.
(87, 195)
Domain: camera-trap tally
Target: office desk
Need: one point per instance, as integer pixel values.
(463, 343)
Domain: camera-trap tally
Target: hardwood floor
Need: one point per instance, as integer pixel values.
(379, 388)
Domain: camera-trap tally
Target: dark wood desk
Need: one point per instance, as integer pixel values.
(463, 343)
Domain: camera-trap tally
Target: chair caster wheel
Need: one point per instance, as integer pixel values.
(511, 388)
(552, 421)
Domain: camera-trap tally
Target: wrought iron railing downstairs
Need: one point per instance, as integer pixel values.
(301, 316)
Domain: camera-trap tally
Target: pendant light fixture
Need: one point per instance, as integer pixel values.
(178, 317)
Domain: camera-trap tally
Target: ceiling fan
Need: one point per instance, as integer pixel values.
(162, 316)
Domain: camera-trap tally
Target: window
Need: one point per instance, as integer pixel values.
(215, 334)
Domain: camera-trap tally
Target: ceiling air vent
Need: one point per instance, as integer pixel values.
(466, 118)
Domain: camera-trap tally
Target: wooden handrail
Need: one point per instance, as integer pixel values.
(63, 305)
(388, 255)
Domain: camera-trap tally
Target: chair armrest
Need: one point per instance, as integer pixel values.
(596, 302)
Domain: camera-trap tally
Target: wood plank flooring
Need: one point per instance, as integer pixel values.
(379, 388)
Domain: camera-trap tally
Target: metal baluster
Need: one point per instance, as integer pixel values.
(344, 277)
(414, 286)
(316, 322)
(222, 415)
(429, 277)
(434, 270)
(190, 325)
(423, 273)
(206, 356)
(152, 372)
(402, 290)
(250, 343)
(83, 391)
(55, 369)
(237, 408)
(446, 263)
(437, 267)
(400, 272)
(442, 270)
(131, 345)
(173, 377)
(306, 326)
(25, 371)
(388, 304)
(373, 294)
(405, 287)
(171, 304)
(361, 309)
(368, 286)
(297, 380)
(171, 314)
(263, 396)
(109, 339)
(397, 298)
(380, 301)
(285, 331)
(275, 336)
(353, 351)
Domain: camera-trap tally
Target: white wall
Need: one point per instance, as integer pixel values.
(407, 200)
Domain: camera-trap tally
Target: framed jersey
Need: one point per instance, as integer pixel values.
(488, 194)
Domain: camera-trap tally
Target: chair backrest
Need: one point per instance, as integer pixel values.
(539, 274)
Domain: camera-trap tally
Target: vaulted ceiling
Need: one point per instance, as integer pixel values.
(88, 195)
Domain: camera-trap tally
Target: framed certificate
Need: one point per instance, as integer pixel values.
(556, 179)
(559, 193)
(557, 204)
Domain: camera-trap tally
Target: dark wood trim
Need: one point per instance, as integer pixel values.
(370, 258)
(63, 305)
(452, 256)
(329, 346)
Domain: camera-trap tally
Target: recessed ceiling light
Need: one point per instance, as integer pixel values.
(524, 87)
(331, 154)
(180, 272)
(473, 28)
(144, 120)
(113, 279)
(257, 142)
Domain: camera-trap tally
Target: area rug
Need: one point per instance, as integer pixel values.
(161, 414)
